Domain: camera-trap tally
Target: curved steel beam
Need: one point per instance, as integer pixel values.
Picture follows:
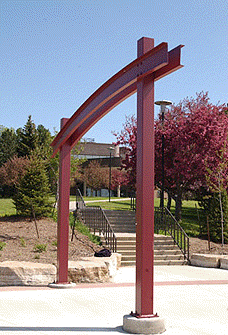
(136, 70)
(157, 63)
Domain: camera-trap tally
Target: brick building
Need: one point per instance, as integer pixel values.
(105, 153)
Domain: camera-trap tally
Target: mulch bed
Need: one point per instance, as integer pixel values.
(22, 243)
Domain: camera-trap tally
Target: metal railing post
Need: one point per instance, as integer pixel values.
(171, 226)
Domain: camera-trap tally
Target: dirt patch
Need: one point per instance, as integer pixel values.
(19, 241)
(22, 244)
(201, 247)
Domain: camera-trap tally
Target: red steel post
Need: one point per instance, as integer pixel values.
(145, 191)
(63, 211)
(151, 64)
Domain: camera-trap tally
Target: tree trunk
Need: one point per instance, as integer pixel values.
(169, 201)
(118, 191)
(178, 205)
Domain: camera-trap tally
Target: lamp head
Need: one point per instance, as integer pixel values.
(163, 102)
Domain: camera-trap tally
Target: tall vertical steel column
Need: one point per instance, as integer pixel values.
(145, 190)
(63, 211)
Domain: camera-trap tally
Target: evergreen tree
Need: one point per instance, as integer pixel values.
(44, 140)
(32, 196)
(8, 145)
(27, 138)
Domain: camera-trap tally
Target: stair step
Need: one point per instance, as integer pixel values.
(131, 256)
(166, 252)
(169, 257)
(128, 263)
(156, 263)
(128, 258)
(164, 242)
(126, 238)
(126, 247)
(170, 262)
(166, 247)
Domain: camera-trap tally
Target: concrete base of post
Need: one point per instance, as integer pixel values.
(62, 285)
(133, 325)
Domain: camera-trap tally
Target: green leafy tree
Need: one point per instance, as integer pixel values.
(10, 174)
(215, 205)
(2, 128)
(214, 199)
(95, 176)
(76, 173)
(33, 192)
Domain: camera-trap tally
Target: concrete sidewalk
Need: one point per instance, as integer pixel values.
(192, 300)
(73, 203)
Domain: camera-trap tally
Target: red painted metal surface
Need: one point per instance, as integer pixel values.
(174, 64)
(145, 191)
(63, 212)
(151, 65)
(117, 89)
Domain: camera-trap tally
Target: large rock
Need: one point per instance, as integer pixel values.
(93, 269)
(13, 273)
(224, 262)
(87, 270)
(205, 260)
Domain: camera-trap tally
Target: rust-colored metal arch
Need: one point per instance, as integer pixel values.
(151, 64)
(156, 63)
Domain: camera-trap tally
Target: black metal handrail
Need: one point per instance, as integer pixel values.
(165, 222)
(80, 203)
(133, 200)
(97, 222)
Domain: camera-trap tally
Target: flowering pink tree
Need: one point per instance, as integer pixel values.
(118, 179)
(127, 138)
(195, 132)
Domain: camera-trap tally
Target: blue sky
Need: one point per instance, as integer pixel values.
(55, 54)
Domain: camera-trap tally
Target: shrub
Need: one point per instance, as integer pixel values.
(2, 245)
(23, 243)
(211, 206)
(54, 243)
(80, 227)
(40, 248)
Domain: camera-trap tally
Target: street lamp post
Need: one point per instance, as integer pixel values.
(163, 104)
(110, 172)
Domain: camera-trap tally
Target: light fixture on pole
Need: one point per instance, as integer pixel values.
(110, 172)
(163, 104)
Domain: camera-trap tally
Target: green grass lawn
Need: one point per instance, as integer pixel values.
(7, 207)
(73, 198)
(191, 217)
(112, 205)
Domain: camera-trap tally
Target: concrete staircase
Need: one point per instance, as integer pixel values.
(121, 221)
(123, 224)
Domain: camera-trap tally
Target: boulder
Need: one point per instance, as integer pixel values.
(205, 260)
(93, 269)
(87, 271)
(14, 273)
(224, 262)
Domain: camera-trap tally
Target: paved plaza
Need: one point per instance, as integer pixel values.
(192, 300)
